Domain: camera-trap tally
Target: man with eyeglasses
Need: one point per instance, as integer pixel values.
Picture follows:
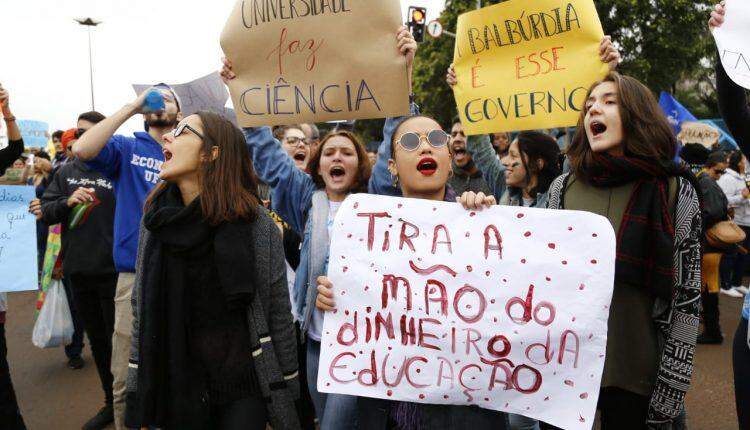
(466, 174)
(133, 165)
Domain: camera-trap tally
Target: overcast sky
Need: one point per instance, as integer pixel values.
(45, 53)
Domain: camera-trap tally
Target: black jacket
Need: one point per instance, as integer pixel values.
(86, 249)
(734, 108)
(10, 153)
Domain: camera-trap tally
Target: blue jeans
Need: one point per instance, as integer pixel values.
(334, 411)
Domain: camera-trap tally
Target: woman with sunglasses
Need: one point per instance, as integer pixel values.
(213, 337)
(415, 151)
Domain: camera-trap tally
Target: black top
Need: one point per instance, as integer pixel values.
(87, 248)
(9, 154)
(733, 106)
(715, 204)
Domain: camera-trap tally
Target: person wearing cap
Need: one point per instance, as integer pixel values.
(133, 165)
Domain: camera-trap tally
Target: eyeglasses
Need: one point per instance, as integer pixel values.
(293, 140)
(410, 141)
(181, 128)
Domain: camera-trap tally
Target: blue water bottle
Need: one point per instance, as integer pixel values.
(153, 102)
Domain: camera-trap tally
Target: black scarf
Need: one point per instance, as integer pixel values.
(168, 392)
(645, 241)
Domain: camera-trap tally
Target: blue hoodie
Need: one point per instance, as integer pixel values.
(133, 165)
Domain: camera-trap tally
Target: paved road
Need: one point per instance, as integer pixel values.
(53, 397)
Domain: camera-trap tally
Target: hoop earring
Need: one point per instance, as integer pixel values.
(450, 173)
(395, 181)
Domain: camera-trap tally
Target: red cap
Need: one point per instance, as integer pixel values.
(68, 137)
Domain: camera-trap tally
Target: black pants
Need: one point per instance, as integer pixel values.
(94, 298)
(741, 361)
(375, 414)
(622, 410)
(305, 408)
(76, 346)
(710, 313)
(10, 416)
(244, 414)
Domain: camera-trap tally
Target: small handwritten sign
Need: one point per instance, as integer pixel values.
(34, 133)
(525, 65)
(700, 133)
(18, 253)
(315, 61)
(732, 40)
(504, 308)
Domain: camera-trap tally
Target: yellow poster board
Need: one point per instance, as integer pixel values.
(526, 65)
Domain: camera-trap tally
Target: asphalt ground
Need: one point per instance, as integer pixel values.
(53, 397)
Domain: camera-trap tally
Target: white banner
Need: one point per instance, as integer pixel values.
(504, 308)
(733, 41)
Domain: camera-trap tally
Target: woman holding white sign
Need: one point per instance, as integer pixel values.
(622, 168)
(415, 150)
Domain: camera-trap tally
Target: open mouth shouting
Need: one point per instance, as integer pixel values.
(337, 173)
(597, 128)
(459, 153)
(427, 166)
(300, 156)
(167, 154)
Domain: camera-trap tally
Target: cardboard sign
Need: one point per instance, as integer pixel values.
(526, 65)
(206, 93)
(732, 40)
(698, 132)
(18, 253)
(504, 308)
(315, 60)
(35, 134)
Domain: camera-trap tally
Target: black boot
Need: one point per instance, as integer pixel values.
(711, 330)
(105, 417)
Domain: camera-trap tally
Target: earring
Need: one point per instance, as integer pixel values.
(450, 173)
(395, 181)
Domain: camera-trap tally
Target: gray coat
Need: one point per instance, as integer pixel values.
(272, 336)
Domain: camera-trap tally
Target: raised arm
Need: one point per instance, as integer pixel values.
(291, 188)
(486, 160)
(733, 103)
(15, 148)
(95, 139)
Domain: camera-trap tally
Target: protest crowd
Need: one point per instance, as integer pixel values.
(196, 255)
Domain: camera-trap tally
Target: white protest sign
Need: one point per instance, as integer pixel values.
(206, 93)
(504, 308)
(733, 41)
(18, 253)
(3, 135)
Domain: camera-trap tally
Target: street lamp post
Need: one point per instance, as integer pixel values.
(89, 23)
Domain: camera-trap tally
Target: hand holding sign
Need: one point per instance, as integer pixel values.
(730, 25)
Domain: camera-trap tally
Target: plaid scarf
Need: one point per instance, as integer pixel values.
(645, 240)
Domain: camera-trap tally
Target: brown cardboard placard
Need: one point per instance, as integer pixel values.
(315, 60)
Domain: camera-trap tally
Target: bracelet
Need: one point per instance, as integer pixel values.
(9, 118)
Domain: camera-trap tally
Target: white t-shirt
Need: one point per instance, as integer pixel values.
(316, 322)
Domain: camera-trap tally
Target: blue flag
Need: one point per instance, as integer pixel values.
(675, 112)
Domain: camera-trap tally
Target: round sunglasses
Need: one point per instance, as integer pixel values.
(410, 141)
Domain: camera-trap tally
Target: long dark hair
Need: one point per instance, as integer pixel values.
(646, 131)
(363, 163)
(535, 146)
(228, 184)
